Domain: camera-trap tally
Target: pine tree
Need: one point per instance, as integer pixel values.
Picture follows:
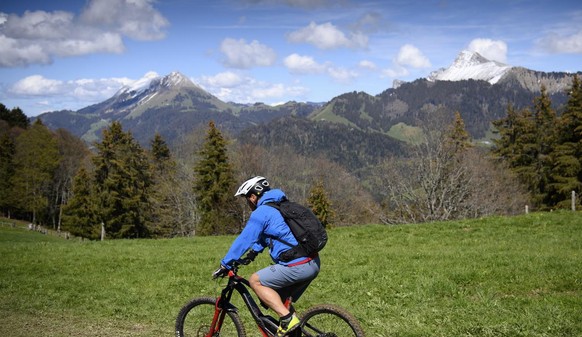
(14, 117)
(7, 151)
(160, 150)
(545, 140)
(80, 213)
(507, 130)
(458, 136)
(214, 185)
(165, 217)
(35, 161)
(566, 171)
(526, 142)
(122, 182)
(320, 204)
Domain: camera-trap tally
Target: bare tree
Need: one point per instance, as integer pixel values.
(297, 174)
(444, 178)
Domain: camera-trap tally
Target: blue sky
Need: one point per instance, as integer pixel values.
(70, 54)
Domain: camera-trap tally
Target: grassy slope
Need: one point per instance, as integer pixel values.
(518, 276)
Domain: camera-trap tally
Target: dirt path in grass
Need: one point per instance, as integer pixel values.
(25, 325)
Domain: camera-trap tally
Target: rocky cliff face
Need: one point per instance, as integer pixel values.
(533, 80)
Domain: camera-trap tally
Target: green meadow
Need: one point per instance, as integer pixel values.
(498, 276)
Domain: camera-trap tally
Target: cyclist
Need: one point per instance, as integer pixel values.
(266, 228)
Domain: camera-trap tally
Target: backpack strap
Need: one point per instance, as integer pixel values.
(276, 205)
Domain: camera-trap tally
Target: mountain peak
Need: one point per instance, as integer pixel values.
(152, 79)
(176, 79)
(471, 65)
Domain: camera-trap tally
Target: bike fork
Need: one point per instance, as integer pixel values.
(217, 320)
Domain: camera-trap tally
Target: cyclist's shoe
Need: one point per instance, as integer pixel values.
(287, 326)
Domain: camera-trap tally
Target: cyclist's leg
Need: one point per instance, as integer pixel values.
(267, 295)
(287, 281)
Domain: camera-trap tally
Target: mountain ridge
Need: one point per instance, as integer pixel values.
(471, 65)
(173, 105)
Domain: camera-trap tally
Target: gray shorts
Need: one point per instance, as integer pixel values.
(289, 281)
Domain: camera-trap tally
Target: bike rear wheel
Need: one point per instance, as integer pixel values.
(195, 319)
(329, 321)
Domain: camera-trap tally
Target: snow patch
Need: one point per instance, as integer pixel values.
(471, 65)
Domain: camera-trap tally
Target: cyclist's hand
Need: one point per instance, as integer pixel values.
(220, 272)
(249, 258)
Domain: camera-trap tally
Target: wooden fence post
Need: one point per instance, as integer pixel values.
(102, 231)
(526, 209)
(574, 201)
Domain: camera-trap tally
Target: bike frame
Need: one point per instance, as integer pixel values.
(267, 325)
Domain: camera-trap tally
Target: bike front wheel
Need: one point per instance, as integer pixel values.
(195, 320)
(329, 321)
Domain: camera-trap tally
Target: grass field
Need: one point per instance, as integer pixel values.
(499, 276)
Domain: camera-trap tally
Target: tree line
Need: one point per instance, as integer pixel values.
(544, 149)
(53, 178)
(120, 189)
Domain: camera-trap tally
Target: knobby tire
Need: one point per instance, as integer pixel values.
(195, 318)
(328, 320)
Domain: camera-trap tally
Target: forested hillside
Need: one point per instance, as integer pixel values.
(130, 190)
(348, 146)
(479, 103)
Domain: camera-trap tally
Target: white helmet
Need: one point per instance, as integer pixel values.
(257, 186)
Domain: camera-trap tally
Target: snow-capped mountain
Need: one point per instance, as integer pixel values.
(152, 81)
(153, 90)
(471, 65)
(171, 105)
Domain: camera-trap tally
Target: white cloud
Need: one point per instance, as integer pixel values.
(13, 53)
(37, 85)
(495, 50)
(94, 90)
(136, 19)
(306, 4)
(409, 55)
(306, 65)
(365, 64)
(555, 43)
(298, 64)
(342, 75)
(239, 54)
(328, 36)
(226, 79)
(396, 71)
(37, 37)
(248, 89)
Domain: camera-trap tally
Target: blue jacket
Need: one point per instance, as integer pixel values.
(265, 224)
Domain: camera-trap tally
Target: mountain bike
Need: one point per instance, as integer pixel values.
(213, 317)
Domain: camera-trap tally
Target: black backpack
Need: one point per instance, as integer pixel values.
(306, 227)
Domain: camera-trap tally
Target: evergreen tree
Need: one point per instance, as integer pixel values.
(14, 117)
(165, 217)
(566, 171)
(458, 136)
(160, 151)
(35, 161)
(214, 185)
(526, 142)
(122, 182)
(545, 135)
(80, 213)
(7, 151)
(508, 133)
(320, 204)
